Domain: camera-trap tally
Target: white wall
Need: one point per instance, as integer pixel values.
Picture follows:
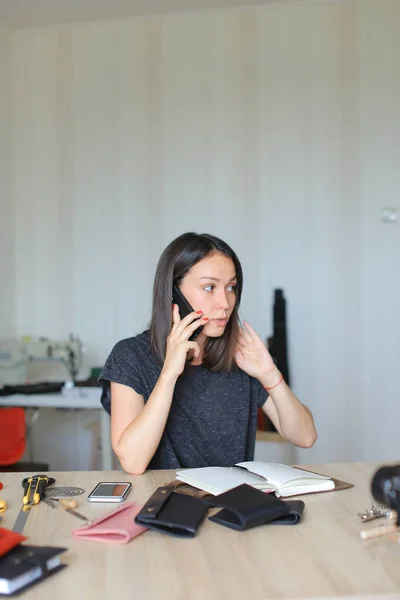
(7, 270)
(276, 129)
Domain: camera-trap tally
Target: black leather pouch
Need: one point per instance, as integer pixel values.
(244, 507)
(170, 512)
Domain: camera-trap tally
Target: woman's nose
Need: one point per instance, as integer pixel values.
(223, 300)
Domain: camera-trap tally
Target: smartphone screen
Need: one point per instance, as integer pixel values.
(110, 492)
(184, 309)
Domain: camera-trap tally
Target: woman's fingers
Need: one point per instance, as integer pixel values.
(175, 316)
(190, 318)
(242, 345)
(195, 325)
(194, 346)
(239, 356)
(244, 337)
(247, 337)
(184, 331)
(250, 331)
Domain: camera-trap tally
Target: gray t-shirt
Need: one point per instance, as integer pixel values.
(213, 416)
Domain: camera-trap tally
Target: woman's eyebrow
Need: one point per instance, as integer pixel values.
(216, 278)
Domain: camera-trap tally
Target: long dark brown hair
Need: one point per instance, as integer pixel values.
(174, 263)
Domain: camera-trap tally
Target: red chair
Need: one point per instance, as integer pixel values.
(12, 435)
(13, 441)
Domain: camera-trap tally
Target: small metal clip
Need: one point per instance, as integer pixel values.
(375, 512)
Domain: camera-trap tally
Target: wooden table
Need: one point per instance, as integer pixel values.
(323, 556)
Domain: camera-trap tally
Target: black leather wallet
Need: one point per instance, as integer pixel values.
(244, 507)
(173, 513)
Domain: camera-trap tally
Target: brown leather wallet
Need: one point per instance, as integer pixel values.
(170, 512)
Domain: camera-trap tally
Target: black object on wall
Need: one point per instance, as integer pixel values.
(278, 348)
(277, 344)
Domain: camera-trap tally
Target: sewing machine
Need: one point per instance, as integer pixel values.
(15, 354)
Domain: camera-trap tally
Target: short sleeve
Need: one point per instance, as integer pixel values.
(122, 366)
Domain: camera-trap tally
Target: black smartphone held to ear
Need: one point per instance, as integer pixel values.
(184, 309)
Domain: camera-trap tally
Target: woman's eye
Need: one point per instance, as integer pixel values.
(209, 288)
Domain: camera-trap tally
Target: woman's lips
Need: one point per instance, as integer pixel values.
(220, 322)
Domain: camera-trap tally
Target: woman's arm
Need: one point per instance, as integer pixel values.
(136, 427)
(291, 418)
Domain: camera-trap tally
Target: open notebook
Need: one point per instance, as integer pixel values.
(269, 477)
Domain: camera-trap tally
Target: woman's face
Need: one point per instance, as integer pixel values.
(210, 286)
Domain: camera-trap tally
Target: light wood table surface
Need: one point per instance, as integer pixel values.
(321, 557)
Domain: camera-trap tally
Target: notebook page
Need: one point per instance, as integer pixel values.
(297, 488)
(279, 474)
(218, 479)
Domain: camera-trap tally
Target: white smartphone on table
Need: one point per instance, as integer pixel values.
(110, 491)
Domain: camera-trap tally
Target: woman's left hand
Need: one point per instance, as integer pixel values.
(252, 356)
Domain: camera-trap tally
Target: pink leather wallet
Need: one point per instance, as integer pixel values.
(117, 526)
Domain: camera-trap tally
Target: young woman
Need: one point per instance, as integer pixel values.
(176, 403)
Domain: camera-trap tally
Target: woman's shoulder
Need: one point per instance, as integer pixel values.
(128, 357)
(131, 346)
(130, 363)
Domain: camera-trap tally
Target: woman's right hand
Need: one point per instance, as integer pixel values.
(178, 344)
